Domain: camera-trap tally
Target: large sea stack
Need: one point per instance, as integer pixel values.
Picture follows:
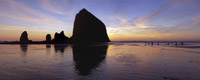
(60, 38)
(88, 28)
(24, 38)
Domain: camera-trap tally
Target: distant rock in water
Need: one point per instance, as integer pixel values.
(48, 38)
(24, 38)
(60, 38)
(88, 28)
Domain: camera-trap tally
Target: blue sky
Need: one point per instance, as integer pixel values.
(124, 19)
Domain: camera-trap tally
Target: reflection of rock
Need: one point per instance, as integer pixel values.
(48, 38)
(88, 28)
(24, 38)
(24, 48)
(48, 48)
(60, 47)
(48, 45)
(88, 57)
(60, 38)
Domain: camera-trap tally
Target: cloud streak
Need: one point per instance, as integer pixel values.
(16, 10)
(49, 5)
(61, 7)
(130, 20)
(147, 27)
(13, 32)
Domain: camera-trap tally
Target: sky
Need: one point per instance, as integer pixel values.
(124, 19)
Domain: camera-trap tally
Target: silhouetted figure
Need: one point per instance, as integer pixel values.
(88, 28)
(60, 38)
(176, 43)
(87, 57)
(158, 43)
(24, 48)
(168, 43)
(48, 38)
(181, 43)
(24, 38)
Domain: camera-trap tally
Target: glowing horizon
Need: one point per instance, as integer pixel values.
(124, 20)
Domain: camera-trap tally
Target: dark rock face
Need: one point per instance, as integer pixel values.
(88, 28)
(48, 38)
(24, 38)
(60, 38)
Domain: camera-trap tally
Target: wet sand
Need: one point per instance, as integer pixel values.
(106, 61)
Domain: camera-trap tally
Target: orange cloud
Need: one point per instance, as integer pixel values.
(8, 33)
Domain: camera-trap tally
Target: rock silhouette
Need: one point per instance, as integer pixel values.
(24, 38)
(60, 38)
(48, 38)
(88, 28)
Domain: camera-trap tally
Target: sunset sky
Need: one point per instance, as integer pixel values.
(124, 19)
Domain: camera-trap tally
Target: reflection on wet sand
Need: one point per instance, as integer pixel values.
(119, 61)
(24, 48)
(48, 48)
(88, 57)
(48, 45)
(59, 47)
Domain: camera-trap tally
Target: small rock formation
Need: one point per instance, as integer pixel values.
(24, 38)
(88, 28)
(48, 38)
(60, 38)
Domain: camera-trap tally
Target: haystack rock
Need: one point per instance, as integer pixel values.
(24, 38)
(60, 38)
(48, 38)
(88, 28)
